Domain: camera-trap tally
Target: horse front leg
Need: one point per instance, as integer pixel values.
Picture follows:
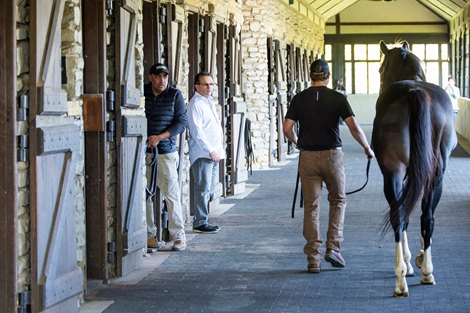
(428, 206)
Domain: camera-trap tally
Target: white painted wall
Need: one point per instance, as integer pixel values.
(462, 122)
(363, 106)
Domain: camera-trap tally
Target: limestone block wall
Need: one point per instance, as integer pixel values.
(22, 85)
(273, 18)
(257, 19)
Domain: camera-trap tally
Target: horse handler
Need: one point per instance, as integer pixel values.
(318, 110)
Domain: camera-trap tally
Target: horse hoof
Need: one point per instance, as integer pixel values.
(427, 279)
(419, 258)
(400, 294)
(409, 270)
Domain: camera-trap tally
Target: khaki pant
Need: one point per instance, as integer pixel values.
(167, 181)
(315, 168)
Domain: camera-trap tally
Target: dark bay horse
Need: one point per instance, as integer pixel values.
(413, 136)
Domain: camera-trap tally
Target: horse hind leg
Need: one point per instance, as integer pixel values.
(407, 255)
(401, 286)
(393, 183)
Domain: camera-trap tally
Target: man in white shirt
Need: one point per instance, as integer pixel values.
(454, 93)
(206, 149)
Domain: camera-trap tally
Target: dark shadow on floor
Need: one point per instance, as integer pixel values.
(459, 152)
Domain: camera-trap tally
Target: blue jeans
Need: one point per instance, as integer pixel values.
(205, 174)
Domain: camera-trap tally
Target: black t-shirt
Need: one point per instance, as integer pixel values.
(317, 111)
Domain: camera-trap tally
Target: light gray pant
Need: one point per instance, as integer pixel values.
(167, 181)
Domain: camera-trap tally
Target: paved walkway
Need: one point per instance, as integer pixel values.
(256, 262)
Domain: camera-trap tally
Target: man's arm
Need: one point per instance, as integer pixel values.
(154, 140)
(178, 125)
(358, 134)
(288, 128)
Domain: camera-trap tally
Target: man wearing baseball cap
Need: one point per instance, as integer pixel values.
(318, 110)
(166, 118)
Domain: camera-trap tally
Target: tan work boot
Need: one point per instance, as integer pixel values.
(152, 243)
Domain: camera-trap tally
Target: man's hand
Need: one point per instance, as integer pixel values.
(153, 141)
(369, 152)
(214, 156)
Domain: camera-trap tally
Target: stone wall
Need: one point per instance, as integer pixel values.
(273, 18)
(22, 85)
(257, 19)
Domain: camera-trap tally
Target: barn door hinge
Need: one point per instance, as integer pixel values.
(162, 15)
(110, 100)
(201, 25)
(23, 106)
(22, 148)
(109, 7)
(111, 131)
(112, 252)
(24, 302)
(110, 106)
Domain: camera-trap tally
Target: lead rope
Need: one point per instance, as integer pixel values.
(152, 187)
(367, 178)
(347, 193)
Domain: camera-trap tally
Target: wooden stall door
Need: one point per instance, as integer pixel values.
(209, 64)
(8, 182)
(130, 134)
(223, 94)
(56, 280)
(281, 109)
(154, 17)
(291, 76)
(277, 140)
(236, 169)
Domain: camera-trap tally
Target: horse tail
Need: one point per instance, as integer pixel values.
(421, 168)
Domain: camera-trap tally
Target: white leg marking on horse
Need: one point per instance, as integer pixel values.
(401, 287)
(407, 255)
(427, 278)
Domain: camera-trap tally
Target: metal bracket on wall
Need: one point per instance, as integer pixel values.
(111, 252)
(24, 302)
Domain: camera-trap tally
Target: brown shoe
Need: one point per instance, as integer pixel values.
(335, 258)
(152, 243)
(179, 245)
(314, 268)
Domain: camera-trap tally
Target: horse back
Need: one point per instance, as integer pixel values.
(391, 131)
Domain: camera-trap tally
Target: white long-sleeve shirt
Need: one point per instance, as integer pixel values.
(454, 94)
(205, 130)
